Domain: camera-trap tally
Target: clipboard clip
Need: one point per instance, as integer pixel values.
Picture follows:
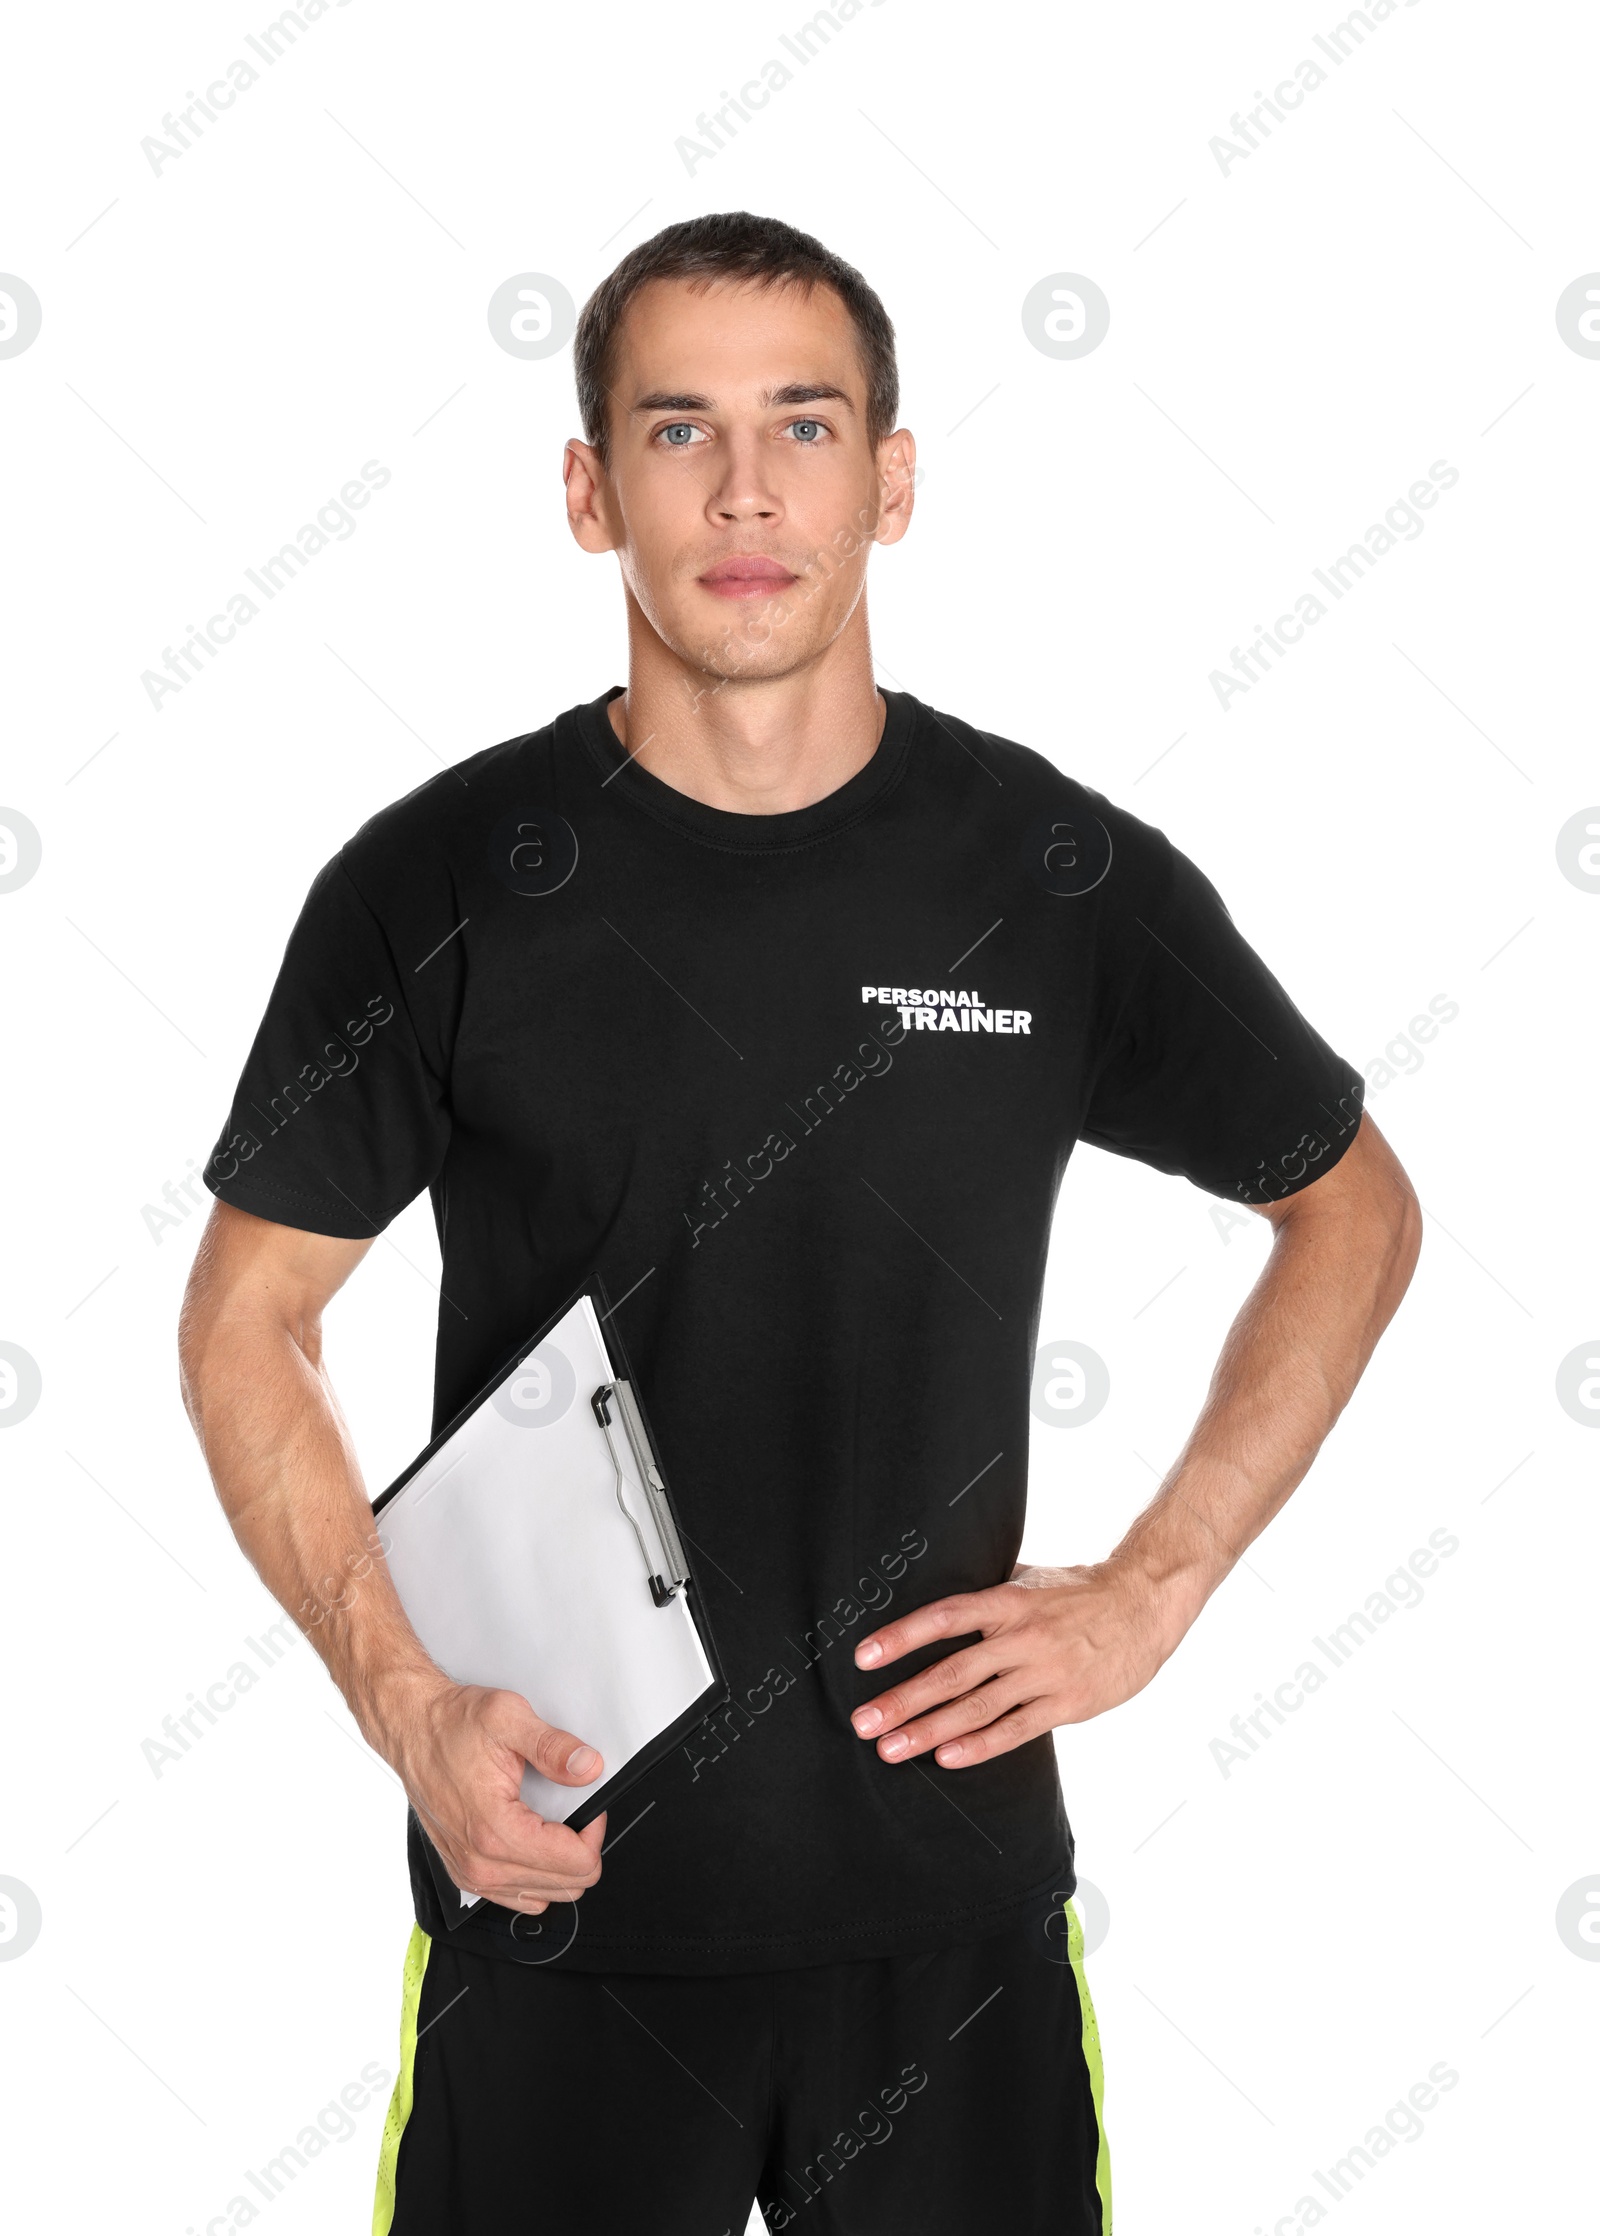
(617, 1398)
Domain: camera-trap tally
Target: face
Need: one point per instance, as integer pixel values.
(742, 496)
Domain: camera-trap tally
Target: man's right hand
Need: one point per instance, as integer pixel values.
(460, 1751)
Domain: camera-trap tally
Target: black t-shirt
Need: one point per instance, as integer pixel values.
(801, 1089)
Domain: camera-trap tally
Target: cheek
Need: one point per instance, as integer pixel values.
(823, 485)
(663, 518)
(835, 548)
(650, 580)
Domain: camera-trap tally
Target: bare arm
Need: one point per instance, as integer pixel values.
(1062, 1644)
(280, 1455)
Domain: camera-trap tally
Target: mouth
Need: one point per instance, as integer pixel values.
(747, 577)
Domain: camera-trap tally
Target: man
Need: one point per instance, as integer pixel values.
(779, 1002)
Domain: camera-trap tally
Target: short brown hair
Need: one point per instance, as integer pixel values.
(731, 244)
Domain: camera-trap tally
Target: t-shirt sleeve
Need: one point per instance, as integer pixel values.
(1206, 1067)
(338, 1120)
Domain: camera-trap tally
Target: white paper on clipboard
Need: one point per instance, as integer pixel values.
(523, 1547)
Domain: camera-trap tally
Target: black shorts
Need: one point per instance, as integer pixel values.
(943, 2094)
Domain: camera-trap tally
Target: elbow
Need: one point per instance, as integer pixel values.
(1397, 1224)
(1379, 1196)
(1408, 1227)
(200, 1320)
(195, 1326)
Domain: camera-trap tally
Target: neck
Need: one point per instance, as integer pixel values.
(753, 745)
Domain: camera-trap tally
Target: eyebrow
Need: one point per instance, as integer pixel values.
(792, 392)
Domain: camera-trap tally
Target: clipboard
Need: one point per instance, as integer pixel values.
(535, 1548)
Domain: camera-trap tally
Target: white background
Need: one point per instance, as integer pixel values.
(1292, 343)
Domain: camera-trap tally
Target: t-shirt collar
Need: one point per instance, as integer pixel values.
(723, 827)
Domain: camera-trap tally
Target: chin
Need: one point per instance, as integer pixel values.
(733, 655)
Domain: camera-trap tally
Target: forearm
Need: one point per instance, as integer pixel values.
(1287, 1369)
(1059, 1645)
(289, 1482)
(250, 1352)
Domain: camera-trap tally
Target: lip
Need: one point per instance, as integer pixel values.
(747, 577)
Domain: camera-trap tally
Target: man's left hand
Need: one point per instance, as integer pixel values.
(1059, 1645)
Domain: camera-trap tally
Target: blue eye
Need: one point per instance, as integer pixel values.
(806, 430)
(679, 434)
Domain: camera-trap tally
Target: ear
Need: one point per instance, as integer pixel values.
(897, 476)
(588, 512)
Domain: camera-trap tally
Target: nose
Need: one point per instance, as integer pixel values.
(743, 491)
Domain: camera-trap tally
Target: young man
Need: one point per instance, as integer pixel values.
(779, 1002)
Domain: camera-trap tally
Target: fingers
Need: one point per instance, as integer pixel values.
(969, 1713)
(523, 1865)
(491, 1844)
(941, 1681)
(987, 1722)
(947, 1704)
(556, 1754)
(924, 1626)
(997, 1738)
(593, 1838)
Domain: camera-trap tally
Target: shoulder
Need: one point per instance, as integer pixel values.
(427, 818)
(1071, 835)
(429, 837)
